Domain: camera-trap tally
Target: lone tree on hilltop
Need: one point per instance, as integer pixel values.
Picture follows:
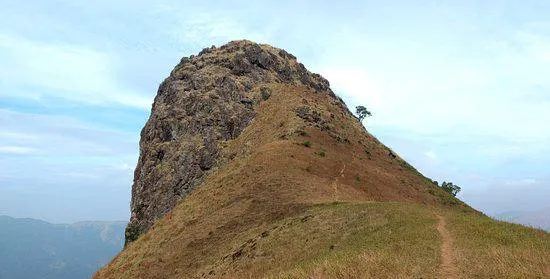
(362, 112)
(450, 188)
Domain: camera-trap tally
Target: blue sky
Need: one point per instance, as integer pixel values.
(458, 88)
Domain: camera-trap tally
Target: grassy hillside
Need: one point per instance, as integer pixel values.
(357, 240)
(494, 249)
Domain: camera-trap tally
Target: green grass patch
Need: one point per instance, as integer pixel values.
(321, 153)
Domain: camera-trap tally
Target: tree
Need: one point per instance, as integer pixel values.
(362, 112)
(450, 188)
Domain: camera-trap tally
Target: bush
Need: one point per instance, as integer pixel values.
(307, 144)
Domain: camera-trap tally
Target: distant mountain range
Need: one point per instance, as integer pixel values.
(32, 248)
(539, 219)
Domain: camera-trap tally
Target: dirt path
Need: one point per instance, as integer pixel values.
(447, 269)
(335, 183)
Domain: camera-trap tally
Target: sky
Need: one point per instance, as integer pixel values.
(460, 89)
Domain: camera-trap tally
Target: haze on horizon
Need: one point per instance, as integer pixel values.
(460, 89)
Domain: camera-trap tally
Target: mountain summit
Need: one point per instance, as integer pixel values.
(251, 166)
(207, 102)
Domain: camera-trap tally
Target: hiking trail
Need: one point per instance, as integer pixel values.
(447, 269)
(335, 183)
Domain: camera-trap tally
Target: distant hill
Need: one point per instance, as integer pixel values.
(537, 219)
(32, 248)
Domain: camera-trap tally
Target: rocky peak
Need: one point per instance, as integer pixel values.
(207, 100)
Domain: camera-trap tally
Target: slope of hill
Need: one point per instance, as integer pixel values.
(35, 249)
(251, 167)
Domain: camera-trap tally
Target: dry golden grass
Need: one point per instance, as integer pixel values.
(492, 249)
(358, 240)
(375, 240)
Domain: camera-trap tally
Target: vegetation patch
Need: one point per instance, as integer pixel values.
(321, 153)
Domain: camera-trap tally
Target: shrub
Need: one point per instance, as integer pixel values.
(307, 144)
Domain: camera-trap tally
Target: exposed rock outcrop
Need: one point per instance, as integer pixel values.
(207, 100)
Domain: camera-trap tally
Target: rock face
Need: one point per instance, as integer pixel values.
(207, 100)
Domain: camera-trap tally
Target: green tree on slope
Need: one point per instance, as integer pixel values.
(362, 112)
(450, 188)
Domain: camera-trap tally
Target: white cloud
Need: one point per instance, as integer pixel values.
(431, 154)
(16, 150)
(33, 70)
(15, 136)
(59, 136)
(357, 83)
(206, 28)
(521, 182)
